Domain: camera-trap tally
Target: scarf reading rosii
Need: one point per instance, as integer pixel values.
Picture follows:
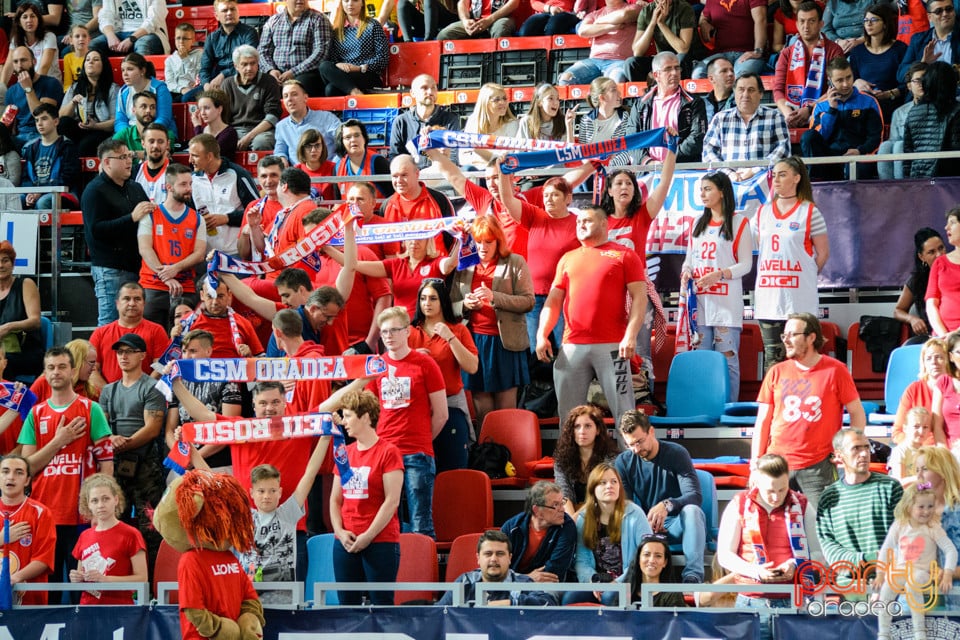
(542, 153)
(237, 430)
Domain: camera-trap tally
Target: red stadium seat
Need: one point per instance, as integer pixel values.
(462, 503)
(165, 569)
(869, 383)
(519, 430)
(418, 563)
(463, 556)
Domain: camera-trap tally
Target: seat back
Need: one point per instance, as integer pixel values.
(519, 430)
(832, 339)
(320, 566)
(710, 506)
(902, 369)
(698, 384)
(46, 332)
(463, 556)
(165, 569)
(462, 503)
(418, 563)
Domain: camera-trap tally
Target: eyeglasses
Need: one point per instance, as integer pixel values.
(127, 156)
(392, 332)
(942, 10)
(314, 146)
(432, 281)
(127, 352)
(916, 81)
(871, 20)
(556, 506)
(791, 336)
(653, 537)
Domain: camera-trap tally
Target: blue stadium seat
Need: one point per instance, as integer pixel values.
(697, 390)
(320, 566)
(711, 511)
(902, 369)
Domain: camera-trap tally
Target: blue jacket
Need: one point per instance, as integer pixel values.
(915, 50)
(632, 530)
(855, 123)
(66, 165)
(521, 598)
(218, 51)
(556, 551)
(164, 107)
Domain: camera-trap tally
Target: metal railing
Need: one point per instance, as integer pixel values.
(141, 589)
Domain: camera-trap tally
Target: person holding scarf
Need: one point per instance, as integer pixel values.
(412, 199)
(356, 159)
(800, 77)
(766, 532)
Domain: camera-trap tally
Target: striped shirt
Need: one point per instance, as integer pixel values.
(298, 46)
(853, 520)
(764, 137)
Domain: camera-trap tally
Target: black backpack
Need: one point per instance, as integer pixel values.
(490, 457)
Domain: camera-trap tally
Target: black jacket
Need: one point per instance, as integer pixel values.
(109, 230)
(926, 131)
(691, 125)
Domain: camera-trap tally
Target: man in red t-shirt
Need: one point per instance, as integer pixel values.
(801, 408)
(592, 285)
(130, 304)
(413, 410)
(32, 534)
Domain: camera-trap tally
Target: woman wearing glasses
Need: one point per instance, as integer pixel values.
(765, 533)
(791, 236)
(439, 333)
(875, 62)
(609, 531)
(313, 156)
(497, 293)
(652, 566)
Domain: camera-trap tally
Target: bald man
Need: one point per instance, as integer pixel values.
(29, 91)
(411, 200)
(424, 114)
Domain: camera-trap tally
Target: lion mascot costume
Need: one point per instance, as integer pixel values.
(203, 515)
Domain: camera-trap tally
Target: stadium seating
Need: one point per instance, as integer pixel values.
(519, 431)
(320, 566)
(697, 389)
(462, 503)
(418, 563)
(165, 569)
(902, 369)
(463, 556)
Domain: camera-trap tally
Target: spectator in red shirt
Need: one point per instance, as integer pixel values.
(736, 31)
(130, 303)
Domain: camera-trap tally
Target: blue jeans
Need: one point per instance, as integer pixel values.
(545, 24)
(419, 472)
(148, 45)
(379, 562)
(690, 530)
(585, 71)
(744, 602)
(533, 321)
(753, 65)
(106, 286)
(725, 340)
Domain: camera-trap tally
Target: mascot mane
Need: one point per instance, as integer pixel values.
(214, 509)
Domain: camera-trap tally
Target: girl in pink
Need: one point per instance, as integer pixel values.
(110, 550)
(910, 553)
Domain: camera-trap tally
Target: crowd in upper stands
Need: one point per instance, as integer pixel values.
(461, 343)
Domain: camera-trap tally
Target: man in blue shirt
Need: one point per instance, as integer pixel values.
(545, 525)
(845, 122)
(28, 92)
(216, 64)
(660, 478)
(51, 160)
(300, 119)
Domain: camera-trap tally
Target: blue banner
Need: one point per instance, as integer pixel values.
(414, 623)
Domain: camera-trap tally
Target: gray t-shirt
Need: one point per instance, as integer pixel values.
(274, 547)
(124, 406)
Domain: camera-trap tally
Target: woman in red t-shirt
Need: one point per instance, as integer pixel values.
(419, 260)
(943, 288)
(439, 333)
(629, 218)
(497, 293)
(110, 550)
(312, 153)
(363, 512)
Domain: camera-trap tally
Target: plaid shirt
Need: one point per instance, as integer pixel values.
(297, 46)
(765, 137)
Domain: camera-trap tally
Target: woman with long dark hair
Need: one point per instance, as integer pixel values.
(584, 443)
(213, 116)
(928, 246)
(876, 61)
(790, 230)
(437, 331)
(652, 566)
(933, 124)
(720, 253)
(90, 105)
(29, 31)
